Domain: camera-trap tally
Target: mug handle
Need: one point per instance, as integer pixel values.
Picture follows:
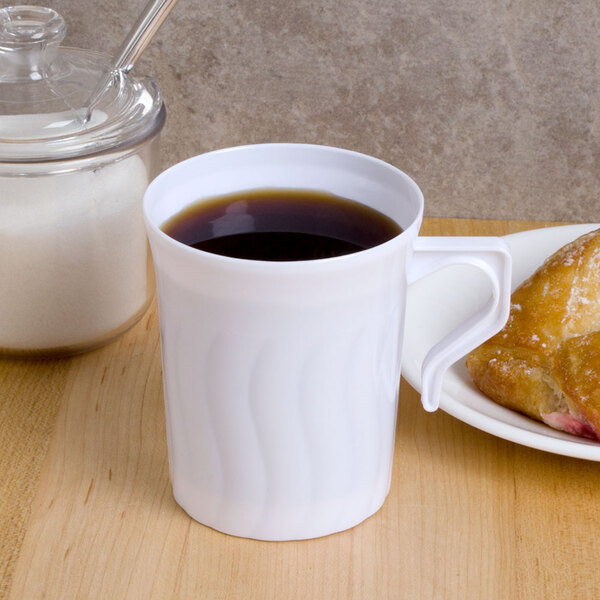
(492, 256)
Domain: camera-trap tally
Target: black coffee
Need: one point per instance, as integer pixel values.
(280, 225)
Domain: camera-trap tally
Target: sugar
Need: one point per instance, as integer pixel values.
(74, 255)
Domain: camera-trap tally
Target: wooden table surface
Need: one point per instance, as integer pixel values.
(469, 516)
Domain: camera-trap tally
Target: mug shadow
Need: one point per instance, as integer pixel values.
(114, 430)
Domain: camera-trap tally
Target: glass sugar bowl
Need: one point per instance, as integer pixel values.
(75, 267)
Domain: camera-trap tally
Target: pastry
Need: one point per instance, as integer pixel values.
(545, 363)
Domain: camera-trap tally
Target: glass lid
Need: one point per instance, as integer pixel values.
(44, 89)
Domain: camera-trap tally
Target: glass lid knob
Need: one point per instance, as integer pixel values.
(29, 40)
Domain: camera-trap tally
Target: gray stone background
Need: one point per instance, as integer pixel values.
(492, 106)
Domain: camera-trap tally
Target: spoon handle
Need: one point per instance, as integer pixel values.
(148, 23)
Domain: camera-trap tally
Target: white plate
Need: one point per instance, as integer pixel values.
(438, 303)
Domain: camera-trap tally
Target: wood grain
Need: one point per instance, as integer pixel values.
(468, 515)
(30, 398)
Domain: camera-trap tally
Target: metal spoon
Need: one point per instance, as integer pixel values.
(148, 23)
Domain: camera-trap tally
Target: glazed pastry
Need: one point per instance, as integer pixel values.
(545, 363)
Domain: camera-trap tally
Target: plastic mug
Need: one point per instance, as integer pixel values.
(281, 378)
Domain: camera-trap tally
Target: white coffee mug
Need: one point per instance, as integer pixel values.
(281, 378)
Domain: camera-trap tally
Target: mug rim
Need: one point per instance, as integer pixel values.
(196, 254)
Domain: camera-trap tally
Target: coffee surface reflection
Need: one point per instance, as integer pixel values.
(280, 225)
